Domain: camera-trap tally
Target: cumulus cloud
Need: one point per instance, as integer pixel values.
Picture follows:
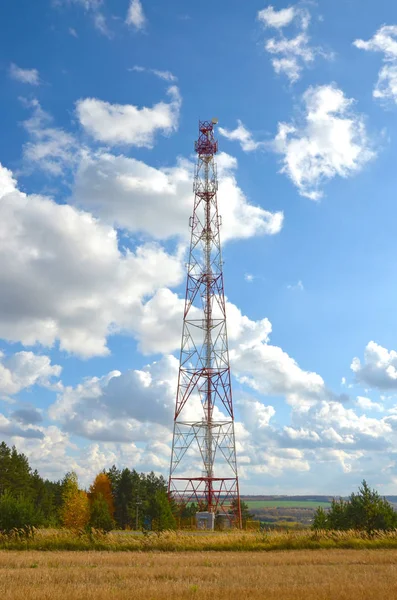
(271, 371)
(290, 55)
(331, 141)
(51, 149)
(122, 407)
(138, 197)
(241, 135)
(137, 406)
(158, 325)
(25, 369)
(117, 124)
(30, 76)
(54, 454)
(385, 41)
(135, 16)
(366, 404)
(64, 277)
(379, 369)
(27, 416)
(11, 429)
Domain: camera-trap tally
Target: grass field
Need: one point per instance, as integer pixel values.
(252, 504)
(293, 575)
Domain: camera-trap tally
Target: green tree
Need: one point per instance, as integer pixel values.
(100, 514)
(365, 510)
(159, 511)
(15, 472)
(320, 520)
(18, 512)
(246, 515)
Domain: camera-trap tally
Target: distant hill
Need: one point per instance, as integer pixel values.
(308, 498)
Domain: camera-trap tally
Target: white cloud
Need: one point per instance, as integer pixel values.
(30, 76)
(331, 141)
(51, 148)
(51, 451)
(385, 41)
(346, 420)
(64, 278)
(277, 18)
(254, 414)
(25, 369)
(117, 124)
(249, 277)
(367, 404)
(137, 406)
(290, 55)
(242, 135)
(165, 75)
(158, 325)
(138, 197)
(93, 7)
(134, 406)
(379, 369)
(100, 23)
(299, 287)
(271, 371)
(256, 363)
(9, 428)
(135, 15)
(73, 32)
(86, 4)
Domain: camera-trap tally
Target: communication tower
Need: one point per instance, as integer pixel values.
(203, 461)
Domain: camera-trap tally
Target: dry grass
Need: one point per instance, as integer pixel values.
(231, 541)
(291, 575)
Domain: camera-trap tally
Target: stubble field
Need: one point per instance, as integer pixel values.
(285, 575)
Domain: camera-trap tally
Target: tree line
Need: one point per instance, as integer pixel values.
(123, 499)
(365, 511)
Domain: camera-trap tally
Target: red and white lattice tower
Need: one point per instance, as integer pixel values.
(203, 462)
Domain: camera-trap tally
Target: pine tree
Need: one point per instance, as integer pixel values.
(160, 512)
(365, 510)
(246, 515)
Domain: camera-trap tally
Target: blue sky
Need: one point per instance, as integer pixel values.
(98, 113)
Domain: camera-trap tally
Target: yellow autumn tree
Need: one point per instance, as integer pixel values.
(75, 511)
(102, 487)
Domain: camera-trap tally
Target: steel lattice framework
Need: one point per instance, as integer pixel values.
(203, 462)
